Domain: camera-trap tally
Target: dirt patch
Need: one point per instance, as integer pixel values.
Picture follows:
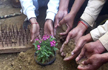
(68, 48)
(25, 61)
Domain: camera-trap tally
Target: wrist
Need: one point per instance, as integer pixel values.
(73, 13)
(33, 20)
(83, 27)
(100, 47)
(49, 21)
(63, 11)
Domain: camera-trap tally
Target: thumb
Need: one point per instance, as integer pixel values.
(81, 55)
(62, 22)
(32, 37)
(68, 38)
(67, 30)
(86, 62)
(56, 24)
(52, 33)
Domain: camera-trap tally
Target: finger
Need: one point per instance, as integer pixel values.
(70, 57)
(64, 33)
(86, 62)
(32, 38)
(81, 55)
(62, 22)
(56, 24)
(78, 46)
(54, 31)
(62, 54)
(68, 38)
(61, 49)
(73, 55)
(39, 37)
(85, 67)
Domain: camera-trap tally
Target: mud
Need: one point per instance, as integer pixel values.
(25, 60)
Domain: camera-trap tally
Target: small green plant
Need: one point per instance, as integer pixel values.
(45, 48)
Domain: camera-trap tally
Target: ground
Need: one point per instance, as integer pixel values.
(25, 60)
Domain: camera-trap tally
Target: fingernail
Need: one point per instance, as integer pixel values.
(72, 53)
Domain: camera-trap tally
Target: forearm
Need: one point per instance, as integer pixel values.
(52, 9)
(63, 5)
(76, 6)
(28, 8)
(92, 10)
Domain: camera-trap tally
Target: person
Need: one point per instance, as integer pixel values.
(68, 18)
(30, 9)
(87, 20)
(95, 51)
(64, 17)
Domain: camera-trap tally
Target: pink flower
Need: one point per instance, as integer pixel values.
(40, 41)
(53, 43)
(36, 39)
(38, 49)
(45, 37)
(38, 46)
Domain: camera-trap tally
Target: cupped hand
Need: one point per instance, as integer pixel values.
(34, 29)
(79, 45)
(90, 49)
(48, 28)
(60, 15)
(75, 34)
(68, 20)
(92, 63)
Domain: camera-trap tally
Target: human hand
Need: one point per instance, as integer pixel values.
(68, 20)
(90, 49)
(76, 33)
(48, 27)
(34, 29)
(58, 18)
(81, 42)
(94, 62)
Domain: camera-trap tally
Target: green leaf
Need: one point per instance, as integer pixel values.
(43, 60)
(35, 46)
(55, 49)
(46, 54)
(37, 52)
(56, 44)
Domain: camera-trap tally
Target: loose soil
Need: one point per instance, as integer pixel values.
(25, 60)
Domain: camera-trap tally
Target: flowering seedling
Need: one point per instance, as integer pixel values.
(45, 48)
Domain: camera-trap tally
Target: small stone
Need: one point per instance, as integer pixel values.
(20, 67)
(12, 64)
